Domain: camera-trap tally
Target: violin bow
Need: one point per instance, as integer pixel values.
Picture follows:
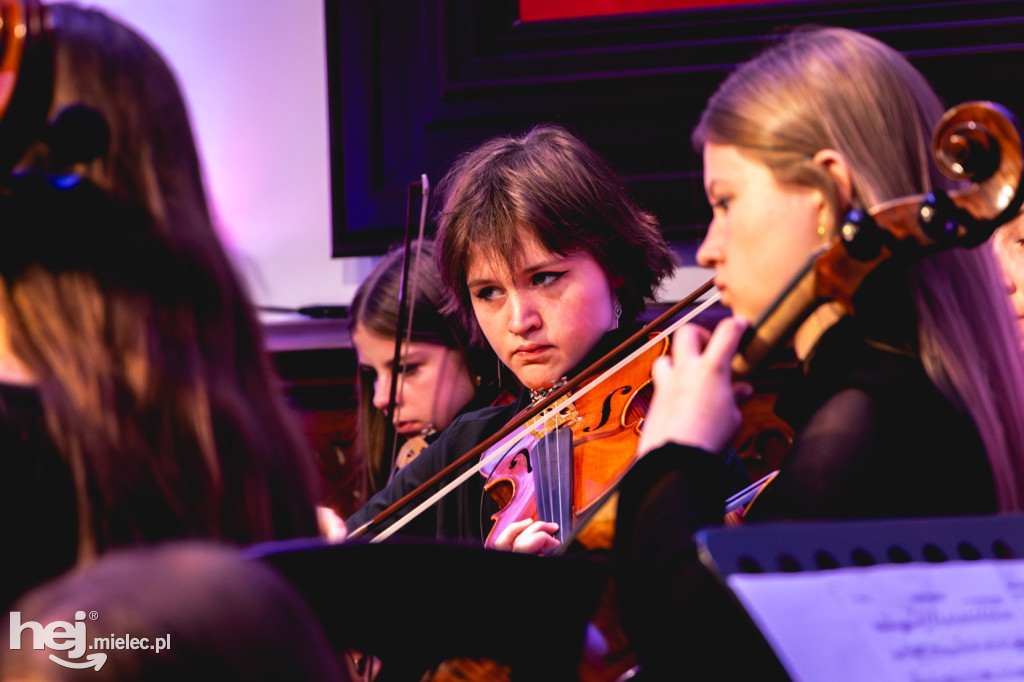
(406, 309)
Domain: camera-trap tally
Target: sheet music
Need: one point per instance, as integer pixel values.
(955, 621)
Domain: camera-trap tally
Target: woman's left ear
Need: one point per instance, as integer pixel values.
(835, 164)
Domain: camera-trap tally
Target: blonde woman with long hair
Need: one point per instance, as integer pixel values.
(910, 406)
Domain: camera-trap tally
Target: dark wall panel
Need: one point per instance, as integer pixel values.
(413, 83)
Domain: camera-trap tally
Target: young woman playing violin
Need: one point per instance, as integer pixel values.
(909, 406)
(544, 255)
(439, 375)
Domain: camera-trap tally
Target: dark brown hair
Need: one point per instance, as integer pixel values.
(550, 182)
(212, 335)
(219, 615)
(100, 306)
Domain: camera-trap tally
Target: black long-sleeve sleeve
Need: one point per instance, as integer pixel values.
(875, 439)
(677, 615)
(465, 513)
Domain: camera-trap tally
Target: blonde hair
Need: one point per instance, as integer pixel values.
(832, 88)
(836, 89)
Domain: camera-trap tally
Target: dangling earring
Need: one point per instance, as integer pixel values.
(617, 311)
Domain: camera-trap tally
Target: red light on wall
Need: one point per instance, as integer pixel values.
(541, 10)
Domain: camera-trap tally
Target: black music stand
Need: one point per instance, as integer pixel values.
(905, 599)
(414, 605)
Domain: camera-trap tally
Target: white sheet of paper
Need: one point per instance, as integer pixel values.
(954, 621)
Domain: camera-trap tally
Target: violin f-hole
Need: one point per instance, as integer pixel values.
(606, 407)
(523, 454)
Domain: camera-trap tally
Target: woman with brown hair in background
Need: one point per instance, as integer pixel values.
(440, 374)
(137, 388)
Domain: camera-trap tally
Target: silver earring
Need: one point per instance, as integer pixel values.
(617, 312)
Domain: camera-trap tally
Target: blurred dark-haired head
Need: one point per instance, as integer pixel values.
(216, 614)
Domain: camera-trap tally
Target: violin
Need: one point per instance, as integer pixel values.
(566, 467)
(579, 447)
(544, 417)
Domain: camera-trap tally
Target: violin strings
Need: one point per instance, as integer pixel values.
(560, 488)
(516, 436)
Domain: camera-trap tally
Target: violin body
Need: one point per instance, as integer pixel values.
(576, 474)
(513, 490)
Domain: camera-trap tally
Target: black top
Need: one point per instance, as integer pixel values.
(37, 496)
(465, 513)
(39, 508)
(875, 438)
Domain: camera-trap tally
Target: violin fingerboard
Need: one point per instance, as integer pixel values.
(552, 459)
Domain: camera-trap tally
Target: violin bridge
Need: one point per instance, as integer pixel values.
(554, 417)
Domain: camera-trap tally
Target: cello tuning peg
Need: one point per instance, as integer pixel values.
(861, 235)
(937, 218)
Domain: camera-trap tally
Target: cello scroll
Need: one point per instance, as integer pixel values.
(980, 142)
(975, 142)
